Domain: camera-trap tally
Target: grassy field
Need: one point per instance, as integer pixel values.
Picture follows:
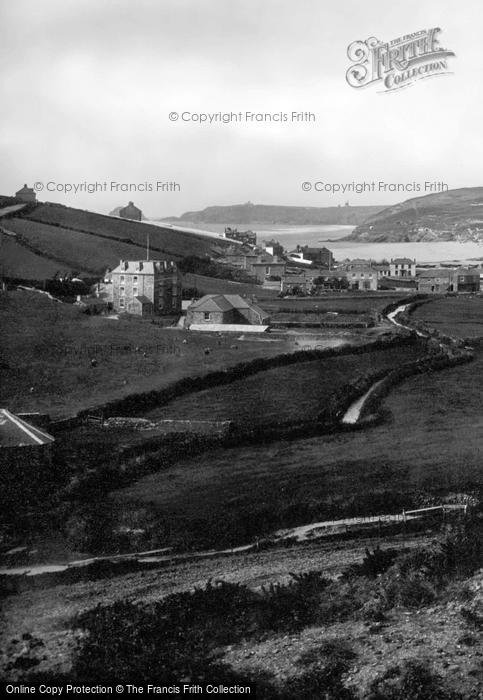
(341, 302)
(458, 316)
(47, 348)
(16, 261)
(297, 392)
(80, 252)
(430, 445)
(175, 243)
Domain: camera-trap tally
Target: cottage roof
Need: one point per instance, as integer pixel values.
(143, 299)
(403, 261)
(437, 272)
(224, 302)
(15, 432)
(25, 190)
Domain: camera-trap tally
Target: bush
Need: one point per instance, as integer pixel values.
(168, 640)
(413, 682)
(294, 605)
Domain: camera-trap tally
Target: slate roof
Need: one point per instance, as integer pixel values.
(143, 299)
(15, 432)
(25, 190)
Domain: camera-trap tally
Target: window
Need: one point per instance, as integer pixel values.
(121, 291)
(135, 279)
(135, 291)
(121, 278)
(121, 303)
(207, 316)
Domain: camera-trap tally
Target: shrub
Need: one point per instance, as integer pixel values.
(171, 639)
(413, 682)
(293, 605)
(320, 684)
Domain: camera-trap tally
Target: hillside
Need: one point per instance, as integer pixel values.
(46, 238)
(456, 215)
(273, 214)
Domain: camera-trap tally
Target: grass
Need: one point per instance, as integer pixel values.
(460, 316)
(223, 632)
(80, 252)
(21, 263)
(47, 349)
(175, 243)
(298, 392)
(341, 302)
(428, 447)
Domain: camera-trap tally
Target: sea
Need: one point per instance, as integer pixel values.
(331, 237)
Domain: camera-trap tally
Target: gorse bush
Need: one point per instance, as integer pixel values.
(413, 682)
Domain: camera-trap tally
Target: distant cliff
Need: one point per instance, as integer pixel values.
(254, 214)
(456, 215)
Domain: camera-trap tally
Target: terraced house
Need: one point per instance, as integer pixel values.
(146, 288)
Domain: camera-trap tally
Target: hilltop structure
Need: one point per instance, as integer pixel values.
(26, 194)
(146, 287)
(131, 212)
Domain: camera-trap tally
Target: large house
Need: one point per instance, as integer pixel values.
(402, 267)
(146, 287)
(224, 309)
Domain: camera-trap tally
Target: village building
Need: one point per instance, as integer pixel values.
(26, 194)
(131, 212)
(247, 237)
(300, 280)
(322, 257)
(442, 280)
(402, 267)
(468, 279)
(437, 281)
(214, 311)
(362, 278)
(146, 288)
(273, 247)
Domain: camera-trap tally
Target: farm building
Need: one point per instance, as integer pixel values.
(441, 280)
(224, 309)
(131, 212)
(26, 194)
(146, 287)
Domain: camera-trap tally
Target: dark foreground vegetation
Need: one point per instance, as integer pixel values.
(184, 636)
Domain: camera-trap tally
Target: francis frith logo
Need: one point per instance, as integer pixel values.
(397, 63)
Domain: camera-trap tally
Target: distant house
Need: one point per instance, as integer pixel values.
(273, 247)
(382, 269)
(468, 279)
(362, 278)
(402, 267)
(224, 309)
(437, 281)
(322, 257)
(146, 287)
(131, 212)
(26, 194)
(248, 237)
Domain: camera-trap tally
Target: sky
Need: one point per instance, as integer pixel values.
(87, 87)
